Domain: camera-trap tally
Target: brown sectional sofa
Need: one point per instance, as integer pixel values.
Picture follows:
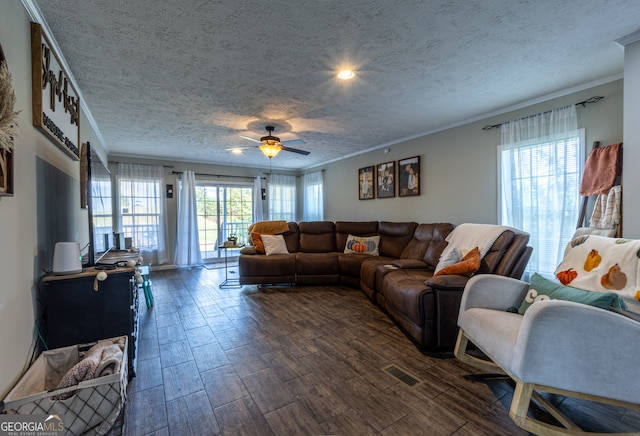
(425, 307)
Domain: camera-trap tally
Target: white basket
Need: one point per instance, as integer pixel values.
(93, 408)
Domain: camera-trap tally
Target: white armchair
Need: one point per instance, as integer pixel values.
(560, 347)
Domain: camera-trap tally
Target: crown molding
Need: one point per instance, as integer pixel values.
(629, 39)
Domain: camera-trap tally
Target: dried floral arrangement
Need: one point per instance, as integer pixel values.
(8, 124)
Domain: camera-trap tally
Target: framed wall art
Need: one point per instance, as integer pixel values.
(386, 180)
(366, 182)
(409, 170)
(8, 128)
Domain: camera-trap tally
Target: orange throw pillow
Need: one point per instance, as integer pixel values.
(469, 264)
(257, 242)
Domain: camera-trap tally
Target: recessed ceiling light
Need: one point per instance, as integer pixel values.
(236, 150)
(346, 74)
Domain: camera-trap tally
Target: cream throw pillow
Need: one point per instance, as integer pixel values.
(274, 244)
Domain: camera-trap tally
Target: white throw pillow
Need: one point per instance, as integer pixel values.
(274, 244)
(448, 258)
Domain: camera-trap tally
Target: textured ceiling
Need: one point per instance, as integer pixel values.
(183, 79)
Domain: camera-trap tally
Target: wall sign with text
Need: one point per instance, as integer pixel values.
(56, 105)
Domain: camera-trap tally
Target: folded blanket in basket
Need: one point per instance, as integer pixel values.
(110, 362)
(99, 360)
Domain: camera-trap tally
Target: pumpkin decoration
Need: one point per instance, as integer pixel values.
(592, 261)
(579, 241)
(567, 276)
(361, 246)
(614, 279)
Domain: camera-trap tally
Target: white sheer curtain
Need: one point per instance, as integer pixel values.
(187, 242)
(258, 211)
(141, 210)
(313, 209)
(282, 197)
(540, 166)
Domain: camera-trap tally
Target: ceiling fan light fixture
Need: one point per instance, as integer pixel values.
(270, 148)
(271, 145)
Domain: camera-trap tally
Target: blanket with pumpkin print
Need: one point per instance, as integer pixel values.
(601, 264)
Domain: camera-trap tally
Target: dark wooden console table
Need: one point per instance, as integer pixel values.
(76, 314)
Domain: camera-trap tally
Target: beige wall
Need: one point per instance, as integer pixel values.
(459, 165)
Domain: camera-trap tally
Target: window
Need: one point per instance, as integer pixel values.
(539, 193)
(282, 197)
(313, 197)
(141, 209)
(223, 210)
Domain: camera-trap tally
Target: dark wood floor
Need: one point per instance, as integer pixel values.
(307, 360)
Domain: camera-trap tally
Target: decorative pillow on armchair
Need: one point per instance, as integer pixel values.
(601, 264)
(362, 245)
(543, 289)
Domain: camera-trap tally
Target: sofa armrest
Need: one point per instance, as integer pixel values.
(449, 282)
(561, 341)
(409, 264)
(490, 291)
(249, 250)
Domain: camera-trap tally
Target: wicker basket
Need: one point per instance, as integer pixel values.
(94, 405)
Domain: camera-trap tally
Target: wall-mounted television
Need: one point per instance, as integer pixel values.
(100, 206)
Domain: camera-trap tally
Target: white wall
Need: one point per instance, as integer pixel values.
(631, 156)
(23, 219)
(459, 166)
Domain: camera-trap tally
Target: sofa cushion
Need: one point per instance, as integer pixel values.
(275, 266)
(317, 237)
(394, 237)
(356, 228)
(317, 264)
(427, 243)
(362, 245)
(466, 267)
(291, 237)
(409, 264)
(542, 289)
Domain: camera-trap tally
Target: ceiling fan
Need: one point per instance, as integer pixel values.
(271, 145)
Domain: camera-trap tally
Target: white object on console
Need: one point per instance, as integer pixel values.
(66, 258)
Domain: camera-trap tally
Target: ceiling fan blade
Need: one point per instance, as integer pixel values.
(251, 139)
(293, 142)
(295, 150)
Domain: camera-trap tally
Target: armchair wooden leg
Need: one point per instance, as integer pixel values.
(461, 354)
(522, 397)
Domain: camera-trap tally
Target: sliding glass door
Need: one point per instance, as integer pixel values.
(223, 210)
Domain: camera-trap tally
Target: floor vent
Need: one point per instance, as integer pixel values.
(402, 375)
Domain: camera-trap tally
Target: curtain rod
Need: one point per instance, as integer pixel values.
(220, 175)
(133, 163)
(594, 99)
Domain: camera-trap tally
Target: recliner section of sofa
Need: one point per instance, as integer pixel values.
(399, 280)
